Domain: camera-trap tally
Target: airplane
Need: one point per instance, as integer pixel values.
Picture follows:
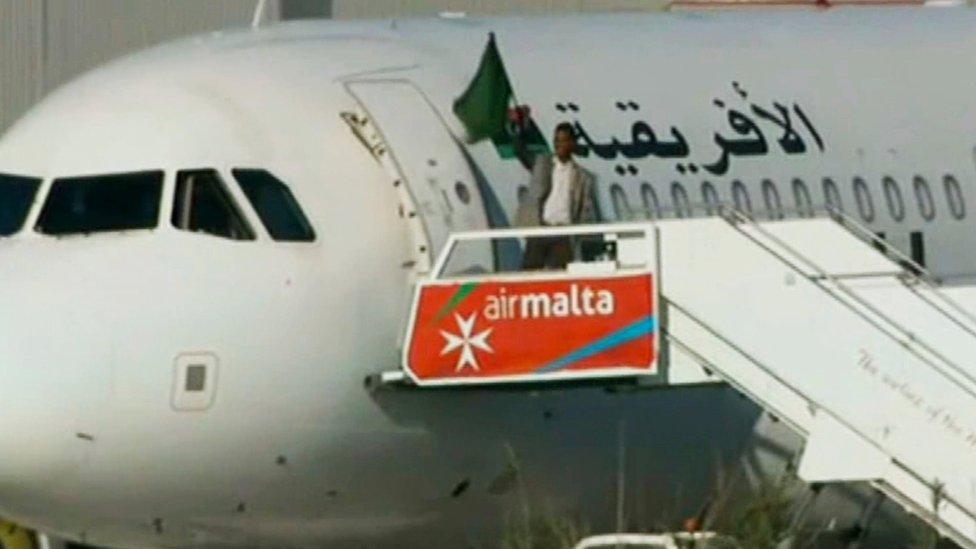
(207, 256)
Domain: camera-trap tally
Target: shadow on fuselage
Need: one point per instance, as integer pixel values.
(560, 449)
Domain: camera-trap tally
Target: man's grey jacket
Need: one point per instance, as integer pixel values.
(582, 207)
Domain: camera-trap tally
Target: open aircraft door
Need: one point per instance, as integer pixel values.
(438, 190)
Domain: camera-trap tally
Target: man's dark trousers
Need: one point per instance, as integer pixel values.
(547, 252)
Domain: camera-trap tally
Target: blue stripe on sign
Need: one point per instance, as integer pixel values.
(641, 328)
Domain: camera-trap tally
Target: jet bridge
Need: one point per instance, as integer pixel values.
(836, 334)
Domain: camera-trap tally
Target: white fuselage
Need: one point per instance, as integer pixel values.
(294, 449)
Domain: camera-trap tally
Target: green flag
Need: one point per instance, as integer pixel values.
(483, 107)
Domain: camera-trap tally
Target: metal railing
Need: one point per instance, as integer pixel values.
(915, 274)
(890, 326)
(913, 277)
(814, 405)
(609, 232)
(865, 234)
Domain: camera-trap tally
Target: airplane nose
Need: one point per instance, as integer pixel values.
(54, 373)
(90, 328)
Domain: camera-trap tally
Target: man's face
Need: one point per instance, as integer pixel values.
(564, 145)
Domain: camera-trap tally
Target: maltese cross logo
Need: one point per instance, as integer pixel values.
(467, 342)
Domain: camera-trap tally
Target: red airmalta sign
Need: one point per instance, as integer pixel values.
(531, 330)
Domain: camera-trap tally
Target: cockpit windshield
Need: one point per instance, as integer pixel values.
(16, 196)
(275, 205)
(115, 202)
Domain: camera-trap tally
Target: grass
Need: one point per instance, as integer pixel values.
(762, 518)
(543, 529)
(528, 528)
(747, 517)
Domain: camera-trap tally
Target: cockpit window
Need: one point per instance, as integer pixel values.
(116, 202)
(16, 196)
(276, 206)
(202, 204)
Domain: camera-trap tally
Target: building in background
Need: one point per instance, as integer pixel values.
(45, 43)
(343, 9)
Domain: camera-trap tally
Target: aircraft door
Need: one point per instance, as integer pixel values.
(438, 191)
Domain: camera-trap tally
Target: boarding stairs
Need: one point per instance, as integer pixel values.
(821, 324)
(855, 350)
(816, 320)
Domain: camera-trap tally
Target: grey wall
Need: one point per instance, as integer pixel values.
(405, 8)
(305, 9)
(44, 43)
(21, 58)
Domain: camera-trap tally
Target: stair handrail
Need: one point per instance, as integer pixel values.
(814, 404)
(735, 217)
(917, 272)
(853, 226)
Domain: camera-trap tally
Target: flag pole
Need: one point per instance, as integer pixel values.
(494, 44)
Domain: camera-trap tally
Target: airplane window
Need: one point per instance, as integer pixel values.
(864, 203)
(276, 206)
(801, 196)
(832, 195)
(620, 205)
(652, 207)
(100, 203)
(16, 196)
(957, 206)
(926, 206)
(202, 204)
(774, 206)
(679, 199)
(710, 198)
(740, 196)
(896, 206)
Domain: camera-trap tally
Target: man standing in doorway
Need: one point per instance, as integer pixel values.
(560, 193)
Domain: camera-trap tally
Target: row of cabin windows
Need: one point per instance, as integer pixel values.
(802, 199)
(131, 201)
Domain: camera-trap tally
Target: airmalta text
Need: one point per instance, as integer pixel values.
(575, 302)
